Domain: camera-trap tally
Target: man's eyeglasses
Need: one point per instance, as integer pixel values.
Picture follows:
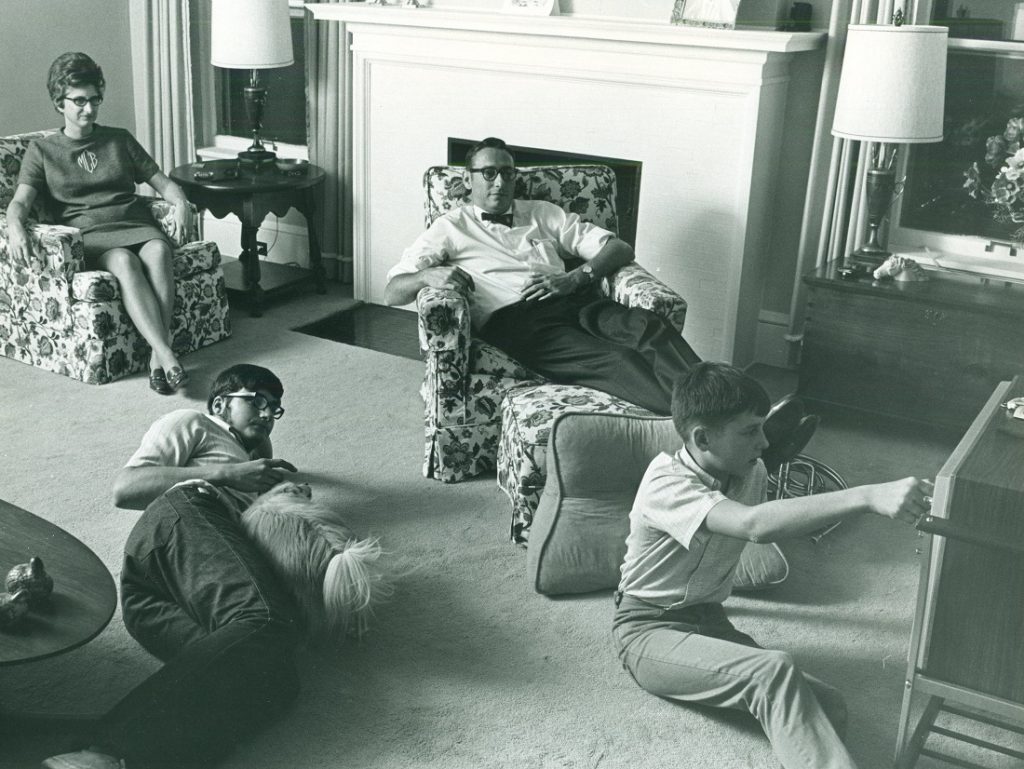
(81, 101)
(260, 402)
(507, 173)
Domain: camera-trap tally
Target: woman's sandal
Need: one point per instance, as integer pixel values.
(158, 382)
(177, 377)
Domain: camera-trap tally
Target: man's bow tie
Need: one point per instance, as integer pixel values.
(505, 219)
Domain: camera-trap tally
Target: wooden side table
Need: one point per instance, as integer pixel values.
(250, 192)
(84, 596)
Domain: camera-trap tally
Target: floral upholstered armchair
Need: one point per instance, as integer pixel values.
(467, 379)
(73, 322)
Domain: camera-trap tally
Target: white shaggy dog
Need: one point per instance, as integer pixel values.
(336, 578)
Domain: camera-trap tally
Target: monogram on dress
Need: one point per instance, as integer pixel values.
(88, 160)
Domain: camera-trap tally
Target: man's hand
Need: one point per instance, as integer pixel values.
(904, 500)
(256, 475)
(540, 286)
(448, 276)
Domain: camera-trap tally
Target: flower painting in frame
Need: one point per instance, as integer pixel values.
(531, 7)
(706, 13)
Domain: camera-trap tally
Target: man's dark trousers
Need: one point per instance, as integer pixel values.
(631, 353)
(197, 595)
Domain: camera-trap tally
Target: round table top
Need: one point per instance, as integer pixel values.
(84, 595)
(232, 176)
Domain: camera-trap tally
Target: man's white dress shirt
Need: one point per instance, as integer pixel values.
(501, 259)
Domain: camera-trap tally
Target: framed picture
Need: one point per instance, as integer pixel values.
(531, 7)
(706, 13)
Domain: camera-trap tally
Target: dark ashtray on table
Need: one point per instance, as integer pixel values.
(292, 166)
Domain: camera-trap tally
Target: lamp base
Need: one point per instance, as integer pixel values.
(257, 156)
(869, 256)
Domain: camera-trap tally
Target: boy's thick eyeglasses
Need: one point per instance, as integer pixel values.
(81, 101)
(507, 173)
(260, 403)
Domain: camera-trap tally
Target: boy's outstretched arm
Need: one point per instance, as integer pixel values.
(906, 500)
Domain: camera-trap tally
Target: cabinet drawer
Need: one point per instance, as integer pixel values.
(907, 359)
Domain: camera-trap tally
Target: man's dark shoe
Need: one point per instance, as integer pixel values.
(782, 419)
(777, 454)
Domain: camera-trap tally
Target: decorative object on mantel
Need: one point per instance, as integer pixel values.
(891, 91)
(253, 35)
(706, 13)
(999, 181)
(531, 7)
(902, 269)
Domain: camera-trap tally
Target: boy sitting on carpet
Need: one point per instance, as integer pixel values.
(195, 592)
(693, 513)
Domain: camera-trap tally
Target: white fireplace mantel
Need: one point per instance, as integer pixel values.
(702, 109)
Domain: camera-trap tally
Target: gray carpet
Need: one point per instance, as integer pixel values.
(467, 667)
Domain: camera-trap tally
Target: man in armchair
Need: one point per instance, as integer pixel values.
(508, 257)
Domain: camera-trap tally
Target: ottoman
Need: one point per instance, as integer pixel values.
(527, 414)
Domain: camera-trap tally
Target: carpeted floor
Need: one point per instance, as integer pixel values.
(467, 667)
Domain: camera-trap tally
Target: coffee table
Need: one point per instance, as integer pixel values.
(84, 595)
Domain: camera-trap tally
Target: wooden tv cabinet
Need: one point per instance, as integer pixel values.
(929, 352)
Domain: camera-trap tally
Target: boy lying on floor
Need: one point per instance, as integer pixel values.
(693, 514)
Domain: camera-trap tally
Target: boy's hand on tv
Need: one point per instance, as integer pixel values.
(904, 500)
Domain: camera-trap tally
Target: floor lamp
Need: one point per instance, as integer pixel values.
(252, 35)
(891, 91)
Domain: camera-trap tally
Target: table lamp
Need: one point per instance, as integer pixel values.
(892, 91)
(253, 35)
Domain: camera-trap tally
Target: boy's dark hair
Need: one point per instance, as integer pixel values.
(711, 394)
(491, 142)
(73, 70)
(244, 376)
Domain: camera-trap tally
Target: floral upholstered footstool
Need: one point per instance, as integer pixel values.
(527, 414)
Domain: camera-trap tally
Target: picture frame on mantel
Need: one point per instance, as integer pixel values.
(531, 7)
(719, 14)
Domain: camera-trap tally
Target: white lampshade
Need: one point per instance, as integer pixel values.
(893, 85)
(250, 34)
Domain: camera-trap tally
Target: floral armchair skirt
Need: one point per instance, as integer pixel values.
(73, 322)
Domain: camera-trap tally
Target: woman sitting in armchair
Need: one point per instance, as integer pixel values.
(88, 173)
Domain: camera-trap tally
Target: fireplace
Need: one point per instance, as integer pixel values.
(627, 175)
(700, 111)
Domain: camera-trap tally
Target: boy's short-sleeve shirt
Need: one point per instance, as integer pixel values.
(189, 438)
(673, 559)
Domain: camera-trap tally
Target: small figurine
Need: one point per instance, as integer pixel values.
(31, 578)
(900, 268)
(13, 608)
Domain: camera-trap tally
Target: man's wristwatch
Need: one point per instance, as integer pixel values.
(587, 270)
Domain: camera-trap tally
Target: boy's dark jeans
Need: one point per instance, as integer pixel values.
(197, 595)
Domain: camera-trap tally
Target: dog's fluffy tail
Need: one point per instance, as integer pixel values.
(354, 584)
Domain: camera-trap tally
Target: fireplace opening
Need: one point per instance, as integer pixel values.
(627, 175)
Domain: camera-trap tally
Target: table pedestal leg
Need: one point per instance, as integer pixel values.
(315, 260)
(251, 269)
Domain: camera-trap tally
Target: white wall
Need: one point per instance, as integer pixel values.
(34, 32)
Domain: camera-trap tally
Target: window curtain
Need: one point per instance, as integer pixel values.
(162, 80)
(834, 211)
(330, 140)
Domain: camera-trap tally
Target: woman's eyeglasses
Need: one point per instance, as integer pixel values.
(507, 173)
(81, 101)
(260, 402)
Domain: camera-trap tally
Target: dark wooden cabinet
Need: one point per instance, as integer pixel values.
(929, 352)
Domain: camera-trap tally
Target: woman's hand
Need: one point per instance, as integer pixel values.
(181, 225)
(540, 286)
(20, 245)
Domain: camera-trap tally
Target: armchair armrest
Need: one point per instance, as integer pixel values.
(444, 324)
(62, 247)
(633, 286)
(163, 212)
